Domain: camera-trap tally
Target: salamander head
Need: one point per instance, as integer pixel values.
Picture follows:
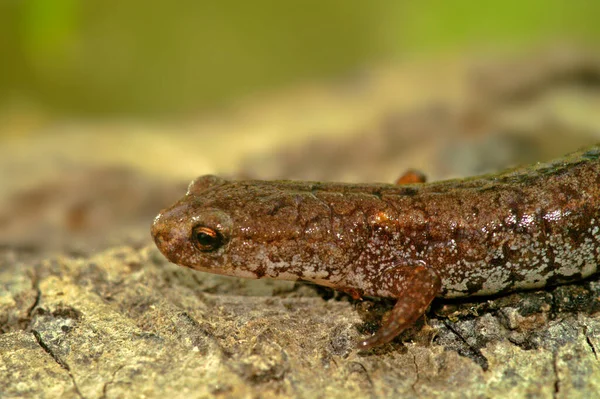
(250, 229)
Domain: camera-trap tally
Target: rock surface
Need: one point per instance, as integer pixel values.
(90, 309)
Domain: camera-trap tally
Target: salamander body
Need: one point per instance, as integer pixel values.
(521, 229)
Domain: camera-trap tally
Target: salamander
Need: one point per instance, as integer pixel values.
(520, 229)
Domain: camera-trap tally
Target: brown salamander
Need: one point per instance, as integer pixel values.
(521, 229)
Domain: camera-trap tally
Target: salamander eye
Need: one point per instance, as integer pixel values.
(206, 239)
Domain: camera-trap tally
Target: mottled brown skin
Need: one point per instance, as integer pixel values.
(521, 229)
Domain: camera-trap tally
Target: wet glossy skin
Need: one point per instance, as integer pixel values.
(522, 229)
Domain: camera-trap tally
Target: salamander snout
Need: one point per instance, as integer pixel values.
(158, 232)
(168, 237)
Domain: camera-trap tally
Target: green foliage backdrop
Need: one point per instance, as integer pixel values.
(163, 57)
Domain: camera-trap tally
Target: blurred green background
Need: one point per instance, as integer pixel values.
(159, 58)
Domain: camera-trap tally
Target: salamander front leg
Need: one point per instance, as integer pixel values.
(415, 287)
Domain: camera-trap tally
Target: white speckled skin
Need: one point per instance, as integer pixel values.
(522, 229)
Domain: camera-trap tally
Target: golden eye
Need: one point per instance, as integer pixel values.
(206, 239)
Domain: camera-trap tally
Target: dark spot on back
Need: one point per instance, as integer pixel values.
(474, 285)
(497, 261)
